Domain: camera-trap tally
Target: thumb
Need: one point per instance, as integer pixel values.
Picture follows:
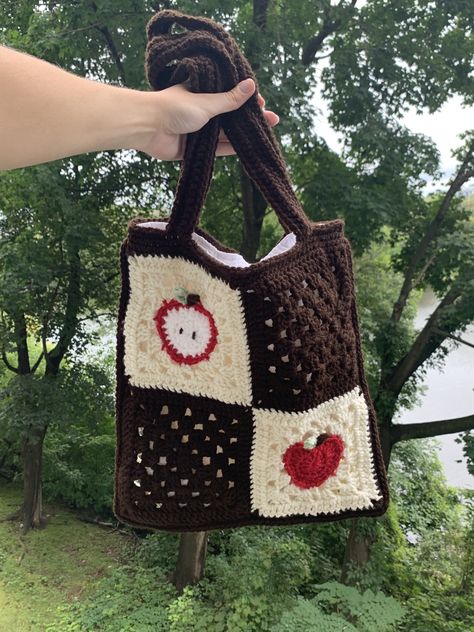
(231, 100)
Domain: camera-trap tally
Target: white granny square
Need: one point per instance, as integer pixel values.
(352, 487)
(225, 373)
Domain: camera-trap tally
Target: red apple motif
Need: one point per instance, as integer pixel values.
(310, 463)
(187, 329)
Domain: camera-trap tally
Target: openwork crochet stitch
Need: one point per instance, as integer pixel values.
(241, 396)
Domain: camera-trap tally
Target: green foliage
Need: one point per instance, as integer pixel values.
(338, 608)
(468, 450)
(254, 583)
(80, 391)
(254, 577)
(128, 599)
(438, 596)
(78, 469)
(377, 287)
(369, 199)
(409, 53)
(386, 543)
(271, 570)
(425, 503)
(307, 615)
(156, 550)
(77, 407)
(326, 543)
(79, 453)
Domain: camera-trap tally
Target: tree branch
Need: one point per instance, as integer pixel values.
(260, 8)
(315, 43)
(114, 53)
(37, 363)
(44, 351)
(427, 341)
(73, 301)
(409, 282)
(7, 363)
(456, 338)
(112, 48)
(47, 316)
(403, 432)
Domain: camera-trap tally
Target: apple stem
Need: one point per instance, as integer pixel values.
(192, 299)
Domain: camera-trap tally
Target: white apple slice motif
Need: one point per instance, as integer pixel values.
(187, 329)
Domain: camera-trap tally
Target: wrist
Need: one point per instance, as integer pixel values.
(135, 118)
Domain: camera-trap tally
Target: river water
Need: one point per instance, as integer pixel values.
(449, 394)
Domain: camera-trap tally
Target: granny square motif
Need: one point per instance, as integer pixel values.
(199, 348)
(241, 396)
(317, 480)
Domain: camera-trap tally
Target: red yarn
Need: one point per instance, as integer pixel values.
(176, 355)
(312, 467)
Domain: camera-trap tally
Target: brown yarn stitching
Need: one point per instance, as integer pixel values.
(210, 59)
(307, 293)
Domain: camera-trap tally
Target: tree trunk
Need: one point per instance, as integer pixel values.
(191, 559)
(357, 549)
(32, 449)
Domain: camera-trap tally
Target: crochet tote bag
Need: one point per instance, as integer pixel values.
(241, 397)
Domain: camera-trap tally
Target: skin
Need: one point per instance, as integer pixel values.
(47, 113)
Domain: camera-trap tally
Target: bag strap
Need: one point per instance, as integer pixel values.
(204, 55)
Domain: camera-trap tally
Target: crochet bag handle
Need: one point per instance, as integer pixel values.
(204, 55)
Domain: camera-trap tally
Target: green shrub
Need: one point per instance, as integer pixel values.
(78, 469)
(246, 587)
(156, 550)
(127, 600)
(306, 615)
(340, 608)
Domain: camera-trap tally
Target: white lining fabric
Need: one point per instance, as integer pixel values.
(230, 258)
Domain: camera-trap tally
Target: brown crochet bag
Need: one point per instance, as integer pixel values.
(241, 396)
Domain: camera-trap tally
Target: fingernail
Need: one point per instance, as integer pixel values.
(247, 86)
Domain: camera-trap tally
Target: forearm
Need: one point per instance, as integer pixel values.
(40, 102)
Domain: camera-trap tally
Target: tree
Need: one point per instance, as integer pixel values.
(58, 252)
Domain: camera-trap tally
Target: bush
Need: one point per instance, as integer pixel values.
(78, 469)
(127, 600)
(339, 608)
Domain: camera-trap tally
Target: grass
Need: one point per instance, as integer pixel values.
(49, 567)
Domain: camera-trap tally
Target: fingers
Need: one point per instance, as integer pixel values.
(271, 117)
(228, 101)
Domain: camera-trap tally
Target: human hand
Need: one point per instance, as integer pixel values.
(176, 112)
(71, 115)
